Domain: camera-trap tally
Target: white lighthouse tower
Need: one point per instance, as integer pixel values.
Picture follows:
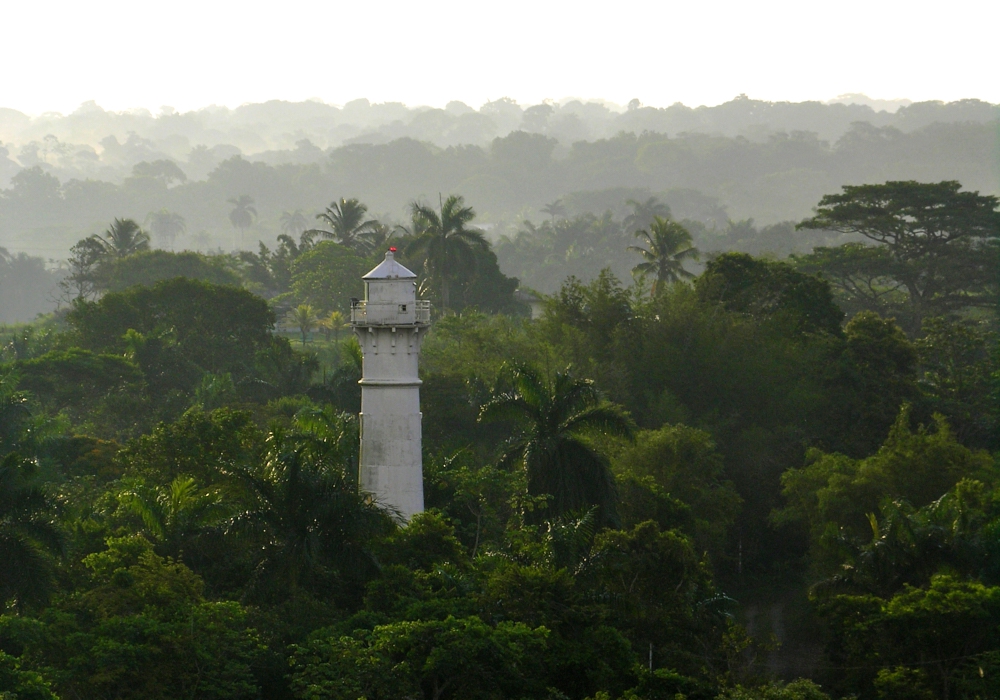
(390, 324)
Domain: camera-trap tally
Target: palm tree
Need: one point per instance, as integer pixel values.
(348, 225)
(303, 511)
(668, 245)
(554, 209)
(175, 515)
(124, 237)
(335, 321)
(304, 317)
(27, 534)
(293, 223)
(644, 213)
(167, 225)
(242, 215)
(555, 420)
(442, 239)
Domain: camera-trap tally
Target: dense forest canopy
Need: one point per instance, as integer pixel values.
(702, 459)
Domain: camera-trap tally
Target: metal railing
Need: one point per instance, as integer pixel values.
(366, 313)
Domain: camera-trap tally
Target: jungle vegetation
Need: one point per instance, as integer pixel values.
(740, 478)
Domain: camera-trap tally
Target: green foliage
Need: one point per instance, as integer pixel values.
(661, 592)
(19, 683)
(327, 276)
(555, 418)
(489, 289)
(959, 368)
(198, 444)
(144, 630)
(801, 689)
(940, 242)
(218, 328)
(445, 244)
(797, 303)
(28, 535)
(428, 540)
(683, 464)
(668, 245)
(450, 658)
(348, 226)
(557, 558)
(833, 495)
(104, 392)
(926, 642)
(176, 515)
(146, 268)
(123, 238)
(303, 514)
(870, 377)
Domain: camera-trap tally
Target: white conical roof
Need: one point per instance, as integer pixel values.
(389, 269)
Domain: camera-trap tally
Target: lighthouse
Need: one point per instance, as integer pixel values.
(390, 324)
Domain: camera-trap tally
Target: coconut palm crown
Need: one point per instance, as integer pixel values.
(445, 243)
(124, 237)
(668, 246)
(348, 225)
(555, 419)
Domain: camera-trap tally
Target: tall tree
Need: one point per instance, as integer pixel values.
(293, 223)
(303, 509)
(334, 322)
(348, 225)
(645, 213)
(942, 244)
(445, 242)
(176, 514)
(27, 534)
(304, 316)
(242, 216)
(124, 237)
(167, 225)
(555, 418)
(668, 246)
(554, 209)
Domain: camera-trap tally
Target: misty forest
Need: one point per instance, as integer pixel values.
(710, 402)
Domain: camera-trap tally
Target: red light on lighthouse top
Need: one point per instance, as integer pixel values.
(392, 249)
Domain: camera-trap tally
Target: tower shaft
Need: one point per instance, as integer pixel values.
(391, 458)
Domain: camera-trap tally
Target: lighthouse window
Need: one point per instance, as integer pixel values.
(402, 308)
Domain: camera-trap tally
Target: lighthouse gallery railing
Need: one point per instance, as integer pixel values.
(366, 313)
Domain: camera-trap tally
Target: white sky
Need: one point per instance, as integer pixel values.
(188, 54)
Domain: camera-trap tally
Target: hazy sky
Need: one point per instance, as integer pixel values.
(189, 54)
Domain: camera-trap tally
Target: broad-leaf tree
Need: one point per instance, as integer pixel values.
(942, 243)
